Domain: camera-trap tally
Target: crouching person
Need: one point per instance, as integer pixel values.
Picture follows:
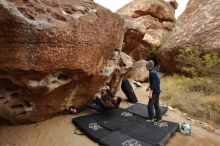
(106, 100)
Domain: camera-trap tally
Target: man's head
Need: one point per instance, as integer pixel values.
(150, 65)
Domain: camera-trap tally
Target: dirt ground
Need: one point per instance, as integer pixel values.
(59, 131)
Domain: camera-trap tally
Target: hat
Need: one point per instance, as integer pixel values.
(150, 64)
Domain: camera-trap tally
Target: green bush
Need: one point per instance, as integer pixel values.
(193, 63)
(154, 52)
(211, 62)
(190, 71)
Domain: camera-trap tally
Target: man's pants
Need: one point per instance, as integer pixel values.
(154, 103)
(98, 105)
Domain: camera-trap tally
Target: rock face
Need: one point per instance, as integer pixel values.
(198, 27)
(148, 24)
(139, 72)
(53, 55)
(120, 69)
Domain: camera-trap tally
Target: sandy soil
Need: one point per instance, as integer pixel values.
(59, 131)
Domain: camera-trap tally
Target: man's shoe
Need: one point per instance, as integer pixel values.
(158, 120)
(150, 120)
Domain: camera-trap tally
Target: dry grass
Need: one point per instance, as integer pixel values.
(213, 101)
(199, 97)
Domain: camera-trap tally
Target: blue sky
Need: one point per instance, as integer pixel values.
(114, 5)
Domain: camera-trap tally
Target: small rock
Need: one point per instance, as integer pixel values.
(208, 127)
(184, 114)
(188, 118)
(178, 111)
(170, 108)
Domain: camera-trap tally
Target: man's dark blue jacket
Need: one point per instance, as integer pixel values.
(154, 80)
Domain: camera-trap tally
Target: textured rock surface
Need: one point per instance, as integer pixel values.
(198, 26)
(139, 72)
(52, 55)
(148, 24)
(123, 65)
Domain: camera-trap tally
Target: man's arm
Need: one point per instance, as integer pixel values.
(149, 88)
(150, 82)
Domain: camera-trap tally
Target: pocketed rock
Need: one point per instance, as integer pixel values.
(52, 55)
(139, 72)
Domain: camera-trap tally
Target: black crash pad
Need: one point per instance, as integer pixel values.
(150, 132)
(128, 91)
(119, 139)
(115, 118)
(89, 126)
(141, 110)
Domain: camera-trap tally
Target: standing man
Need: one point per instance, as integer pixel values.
(154, 93)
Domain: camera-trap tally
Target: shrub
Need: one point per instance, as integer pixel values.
(199, 97)
(211, 63)
(192, 62)
(153, 52)
(207, 86)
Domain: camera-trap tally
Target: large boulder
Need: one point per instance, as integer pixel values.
(198, 27)
(148, 24)
(53, 55)
(139, 71)
(120, 68)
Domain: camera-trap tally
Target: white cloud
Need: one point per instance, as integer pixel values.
(181, 7)
(114, 5)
